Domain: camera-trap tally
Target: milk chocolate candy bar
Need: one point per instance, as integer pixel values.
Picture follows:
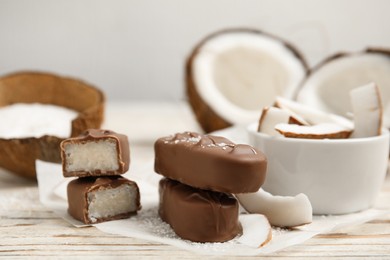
(198, 215)
(210, 162)
(93, 200)
(95, 153)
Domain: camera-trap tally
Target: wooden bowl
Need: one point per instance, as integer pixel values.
(18, 155)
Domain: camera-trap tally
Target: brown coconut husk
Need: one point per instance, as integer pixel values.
(19, 155)
(208, 119)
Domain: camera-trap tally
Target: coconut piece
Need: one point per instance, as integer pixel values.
(367, 108)
(231, 73)
(281, 211)
(329, 83)
(257, 230)
(320, 131)
(272, 116)
(19, 154)
(311, 115)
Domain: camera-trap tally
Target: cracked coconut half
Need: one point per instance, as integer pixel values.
(233, 73)
(328, 86)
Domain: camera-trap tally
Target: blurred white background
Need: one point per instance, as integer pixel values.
(135, 49)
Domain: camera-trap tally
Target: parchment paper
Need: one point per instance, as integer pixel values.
(148, 226)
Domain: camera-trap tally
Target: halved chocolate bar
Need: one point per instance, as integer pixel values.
(95, 153)
(93, 200)
(198, 215)
(210, 162)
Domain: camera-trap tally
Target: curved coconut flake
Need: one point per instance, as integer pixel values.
(234, 72)
(272, 116)
(311, 115)
(328, 85)
(281, 211)
(320, 131)
(367, 108)
(256, 229)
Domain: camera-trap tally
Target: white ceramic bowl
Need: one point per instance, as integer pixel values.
(339, 176)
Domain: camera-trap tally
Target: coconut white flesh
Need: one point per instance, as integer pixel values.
(279, 103)
(367, 108)
(109, 202)
(328, 87)
(89, 156)
(257, 230)
(320, 131)
(281, 211)
(270, 117)
(35, 120)
(239, 72)
(311, 115)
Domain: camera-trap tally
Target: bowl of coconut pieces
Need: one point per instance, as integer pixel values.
(37, 111)
(339, 163)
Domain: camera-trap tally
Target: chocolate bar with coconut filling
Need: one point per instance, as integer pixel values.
(210, 162)
(95, 153)
(93, 200)
(198, 215)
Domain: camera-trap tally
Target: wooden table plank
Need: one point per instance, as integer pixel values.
(28, 229)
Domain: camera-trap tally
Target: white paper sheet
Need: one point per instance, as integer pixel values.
(147, 225)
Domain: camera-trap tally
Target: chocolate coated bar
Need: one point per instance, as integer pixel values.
(210, 162)
(93, 200)
(95, 153)
(198, 215)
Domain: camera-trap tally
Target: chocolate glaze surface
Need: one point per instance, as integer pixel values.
(95, 135)
(198, 215)
(78, 190)
(210, 162)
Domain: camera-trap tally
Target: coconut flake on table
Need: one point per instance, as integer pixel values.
(35, 120)
(281, 211)
(320, 131)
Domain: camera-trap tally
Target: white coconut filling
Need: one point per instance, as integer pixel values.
(35, 120)
(238, 73)
(89, 156)
(105, 203)
(328, 87)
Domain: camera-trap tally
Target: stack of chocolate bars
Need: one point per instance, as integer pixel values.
(98, 158)
(202, 172)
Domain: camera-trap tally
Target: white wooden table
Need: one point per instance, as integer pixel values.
(28, 229)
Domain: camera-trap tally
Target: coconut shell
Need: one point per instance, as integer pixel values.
(303, 98)
(208, 119)
(19, 155)
(337, 55)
